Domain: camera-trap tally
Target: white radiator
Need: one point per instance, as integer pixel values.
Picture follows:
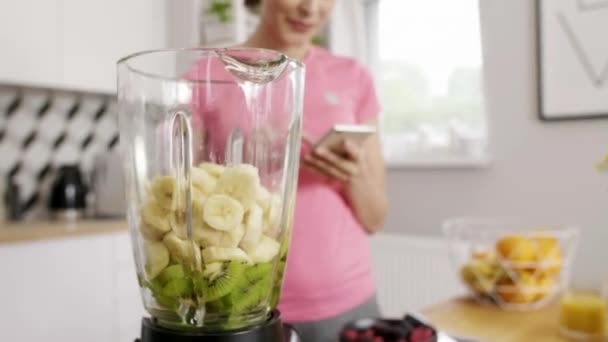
(412, 272)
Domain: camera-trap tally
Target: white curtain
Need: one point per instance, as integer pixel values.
(348, 30)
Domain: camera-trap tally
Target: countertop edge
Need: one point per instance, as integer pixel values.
(12, 233)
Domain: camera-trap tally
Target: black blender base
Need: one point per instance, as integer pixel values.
(272, 330)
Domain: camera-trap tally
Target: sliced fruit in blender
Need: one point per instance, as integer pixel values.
(178, 219)
(157, 257)
(240, 182)
(262, 198)
(249, 294)
(202, 180)
(167, 302)
(257, 272)
(180, 250)
(223, 212)
(212, 270)
(155, 223)
(177, 222)
(230, 212)
(172, 272)
(265, 251)
(233, 237)
(221, 305)
(213, 169)
(254, 221)
(178, 288)
(224, 282)
(162, 189)
(273, 216)
(215, 254)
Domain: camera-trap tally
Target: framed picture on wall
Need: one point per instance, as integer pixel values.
(572, 55)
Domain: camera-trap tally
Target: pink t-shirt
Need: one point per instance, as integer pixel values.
(328, 266)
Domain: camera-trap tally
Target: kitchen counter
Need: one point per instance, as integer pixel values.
(43, 230)
(465, 317)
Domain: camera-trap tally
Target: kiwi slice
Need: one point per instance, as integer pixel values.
(221, 305)
(178, 288)
(252, 289)
(157, 291)
(172, 272)
(155, 286)
(257, 272)
(222, 284)
(276, 291)
(167, 302)
(246, 300)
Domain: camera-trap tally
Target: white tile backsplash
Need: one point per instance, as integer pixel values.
(36, 157)
(10, 156)
(79, 128)
(54, 123)
(42, 129)
(20, 125)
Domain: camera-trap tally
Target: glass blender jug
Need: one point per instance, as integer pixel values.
(210, 142)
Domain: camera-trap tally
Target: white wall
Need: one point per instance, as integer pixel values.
(540, 171)
(75, 44)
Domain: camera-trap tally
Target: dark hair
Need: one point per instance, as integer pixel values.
(252, 4)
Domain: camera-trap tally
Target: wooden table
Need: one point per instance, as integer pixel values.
(43, 230)
(467, 318)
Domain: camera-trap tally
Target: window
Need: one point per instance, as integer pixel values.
(427, 58)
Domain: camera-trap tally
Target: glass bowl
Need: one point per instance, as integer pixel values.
(513, 265)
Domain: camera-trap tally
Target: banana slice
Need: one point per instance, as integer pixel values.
(241, 183)
(198, 208)
(163, 189)
(262, 198)
(223, 212)
(216, 254)
(254, 223)
(157, 257)
(177, 219)
(179, 226)
(213, 169)
(212, 270)
(233, 237)
(155, 223)
(273, 216)
(202, 180)
(209, 237)
(181, 251)
(266, 250)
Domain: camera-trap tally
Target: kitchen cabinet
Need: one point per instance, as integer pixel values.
(30, 40)
(69, 289)
(75, 44)
(95, 34)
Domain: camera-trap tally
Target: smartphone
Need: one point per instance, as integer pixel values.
(355, 133)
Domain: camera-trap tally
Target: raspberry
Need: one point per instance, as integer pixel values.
(351, 335)
(421, 334)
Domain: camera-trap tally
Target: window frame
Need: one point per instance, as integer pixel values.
(427, 162)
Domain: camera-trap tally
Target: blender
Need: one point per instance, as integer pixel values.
(210, 143)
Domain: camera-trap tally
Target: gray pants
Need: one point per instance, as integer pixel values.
(328, 330)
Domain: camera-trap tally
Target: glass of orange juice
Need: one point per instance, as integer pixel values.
(584, 314)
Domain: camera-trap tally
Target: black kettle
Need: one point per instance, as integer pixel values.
(68, 194)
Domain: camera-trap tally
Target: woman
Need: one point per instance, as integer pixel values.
(341, 196)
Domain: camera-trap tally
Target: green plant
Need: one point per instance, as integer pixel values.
(221, 9)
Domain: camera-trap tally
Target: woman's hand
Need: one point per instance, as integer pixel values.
(342, 165)
(360, 171)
